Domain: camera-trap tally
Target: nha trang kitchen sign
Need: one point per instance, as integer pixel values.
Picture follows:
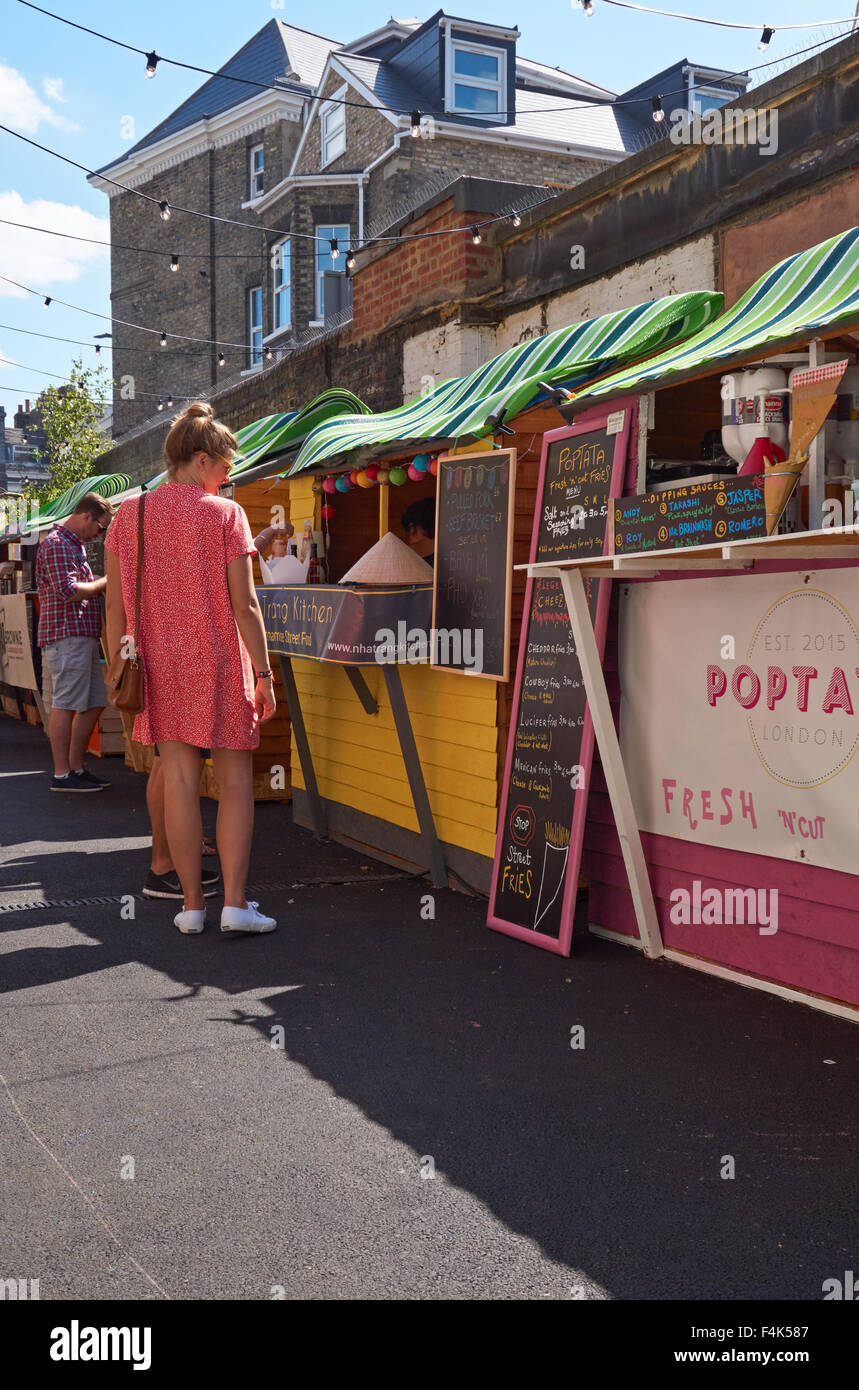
(740, 712)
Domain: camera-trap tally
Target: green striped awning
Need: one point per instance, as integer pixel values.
(107, 484)
(812, 290)
(274, 435)
(566, 357)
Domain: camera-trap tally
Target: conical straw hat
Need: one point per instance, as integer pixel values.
(389, 561)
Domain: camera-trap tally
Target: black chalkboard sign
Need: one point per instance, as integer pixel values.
(473, 571)
(549, 753)
(726, 509)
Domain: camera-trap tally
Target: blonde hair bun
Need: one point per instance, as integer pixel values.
(201, 410)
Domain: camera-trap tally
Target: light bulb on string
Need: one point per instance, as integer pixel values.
(475, 236)
(162, 341)
(174, 262)
(169, 402)
(160, 405)
(588, 6)
(350, 259)
(268, 354)
(164, 208)
(47, 303)
(416, 125)
(658, 113)
(516, 220)
(765, 38)
(151, 64)
(335, 250)
(98, 349)
(221, 359)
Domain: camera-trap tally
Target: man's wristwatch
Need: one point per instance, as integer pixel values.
(262, 674)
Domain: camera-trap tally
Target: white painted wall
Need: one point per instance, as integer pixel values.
(440, 353)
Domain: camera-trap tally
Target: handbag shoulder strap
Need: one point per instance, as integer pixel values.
(139, 569)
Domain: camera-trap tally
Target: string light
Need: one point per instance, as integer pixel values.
(765, 38)
(163, 340)
(516, 220)
(169, 402)
(588, 6)
(174, 262)
(658, 113)
(164, 208)
(416, 125)
(47, 303)
(475, 236)
(335, 252)
(268, 354)
(221, 359)
(152, 61)
(160, 405)
(98, 349)
(350, 259)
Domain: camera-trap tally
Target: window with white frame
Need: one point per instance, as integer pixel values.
(255, 325)
(257, 171)
(477, 78)
(325, 259)
(333, 128)
(703, 99)
(282, 286)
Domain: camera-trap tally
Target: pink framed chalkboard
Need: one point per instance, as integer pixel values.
(550, 745)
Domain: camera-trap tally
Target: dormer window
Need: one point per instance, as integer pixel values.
(333, 126)
(477, 79)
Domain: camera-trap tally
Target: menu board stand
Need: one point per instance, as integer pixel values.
(550, 745)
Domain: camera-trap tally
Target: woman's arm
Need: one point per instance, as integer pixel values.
(114, 606)
(248, 616)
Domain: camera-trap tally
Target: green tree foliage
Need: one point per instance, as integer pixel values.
(70, 415)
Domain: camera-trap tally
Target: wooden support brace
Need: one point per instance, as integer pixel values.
(399, 708)
(317, 809)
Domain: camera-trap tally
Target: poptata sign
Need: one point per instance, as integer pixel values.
(740, 712)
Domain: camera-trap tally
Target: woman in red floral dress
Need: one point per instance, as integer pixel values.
(207, 678)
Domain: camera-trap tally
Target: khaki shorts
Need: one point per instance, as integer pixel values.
(76, 679)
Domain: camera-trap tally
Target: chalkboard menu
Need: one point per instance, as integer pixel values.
(726, 509)
(473, 570)
(549, 752)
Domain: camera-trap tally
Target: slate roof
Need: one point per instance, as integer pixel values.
(385, 82)
(267, 58)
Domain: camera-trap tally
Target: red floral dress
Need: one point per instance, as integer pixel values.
(197, 676)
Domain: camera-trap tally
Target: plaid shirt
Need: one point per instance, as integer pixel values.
(60, 566)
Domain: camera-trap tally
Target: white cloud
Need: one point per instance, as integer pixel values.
(53, 88)
(22, 108)
(45, 262)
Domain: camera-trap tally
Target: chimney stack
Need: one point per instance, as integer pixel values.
(27, 406)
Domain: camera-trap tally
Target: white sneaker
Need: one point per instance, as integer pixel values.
(190, 921)
(241, 919)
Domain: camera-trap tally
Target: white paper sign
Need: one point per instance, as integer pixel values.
(740, 712)
(614, 422)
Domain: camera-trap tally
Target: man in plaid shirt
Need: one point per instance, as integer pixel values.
(69, 631)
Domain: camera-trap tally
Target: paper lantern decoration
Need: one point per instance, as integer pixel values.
(363, 480)
(382, 475)
(421, 463)
(327, 512)
(342, 484)
(372, 471)
(415, 474)
(433, 467)
(329, 485)
(398, 476)
(353, 477)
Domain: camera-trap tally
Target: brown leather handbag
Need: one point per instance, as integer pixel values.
(125, 673)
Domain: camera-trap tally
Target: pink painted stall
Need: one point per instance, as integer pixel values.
(722, 817)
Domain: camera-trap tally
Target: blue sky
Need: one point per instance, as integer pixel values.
(72, 92)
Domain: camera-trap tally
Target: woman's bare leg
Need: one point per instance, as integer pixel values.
(234, 772)
(181, 772)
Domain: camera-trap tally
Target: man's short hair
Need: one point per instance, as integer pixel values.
(94, 505)
(420, 513)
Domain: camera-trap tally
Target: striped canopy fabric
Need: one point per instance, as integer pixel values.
(566, 357)
(273, 435)
(812, 290)
(107, 484)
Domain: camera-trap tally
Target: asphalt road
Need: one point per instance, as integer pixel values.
(410, 1047)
